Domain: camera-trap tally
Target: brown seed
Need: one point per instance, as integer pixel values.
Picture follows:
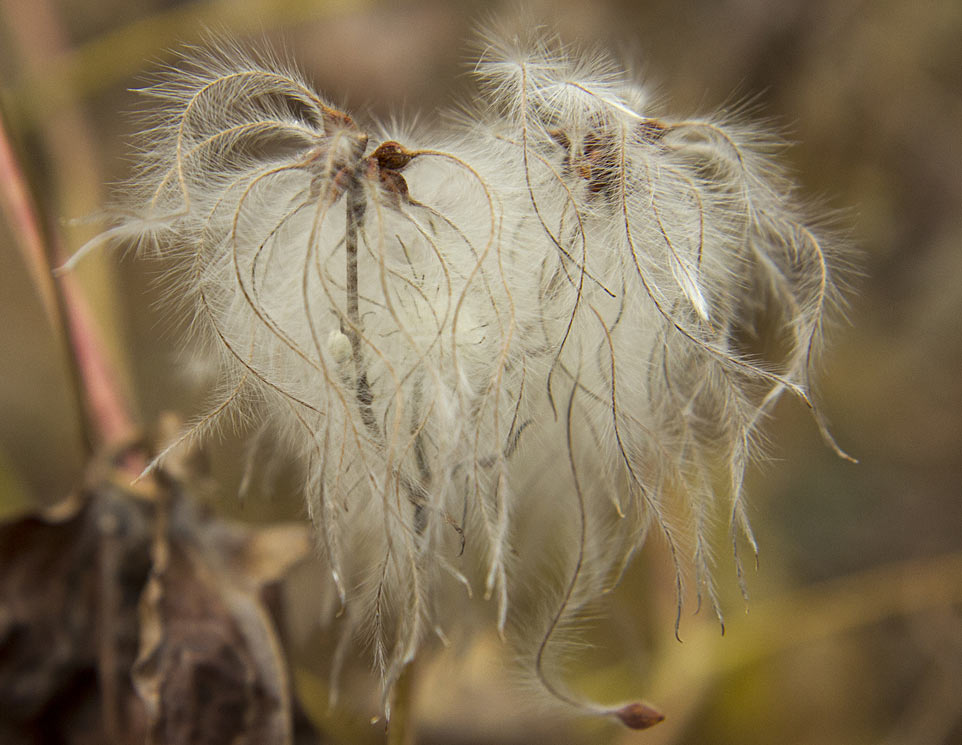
(639, 715)
(392, 155)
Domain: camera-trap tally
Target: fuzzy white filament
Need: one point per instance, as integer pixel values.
(521, 338)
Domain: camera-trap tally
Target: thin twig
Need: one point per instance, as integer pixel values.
(103, 414)
(355, 205)
(108, 611)
(17, 204)
(400, 729)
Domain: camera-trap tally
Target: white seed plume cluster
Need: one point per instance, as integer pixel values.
(504, 351)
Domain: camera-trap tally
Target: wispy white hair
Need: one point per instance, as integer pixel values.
(508, 348)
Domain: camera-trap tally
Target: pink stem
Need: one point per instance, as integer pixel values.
(106, 418)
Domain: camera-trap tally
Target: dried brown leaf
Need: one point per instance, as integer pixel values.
(211, 668)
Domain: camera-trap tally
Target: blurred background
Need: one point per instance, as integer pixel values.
(854, 627)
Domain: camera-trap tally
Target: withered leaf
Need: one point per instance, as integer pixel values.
(211, 669)
(70, 578)
(126, 616)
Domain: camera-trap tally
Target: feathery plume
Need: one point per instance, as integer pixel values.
(519, 338)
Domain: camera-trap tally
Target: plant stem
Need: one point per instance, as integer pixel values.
(103, 414)
(355, 214)
(401, 727)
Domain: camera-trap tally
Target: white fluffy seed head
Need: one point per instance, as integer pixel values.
(507, 349)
